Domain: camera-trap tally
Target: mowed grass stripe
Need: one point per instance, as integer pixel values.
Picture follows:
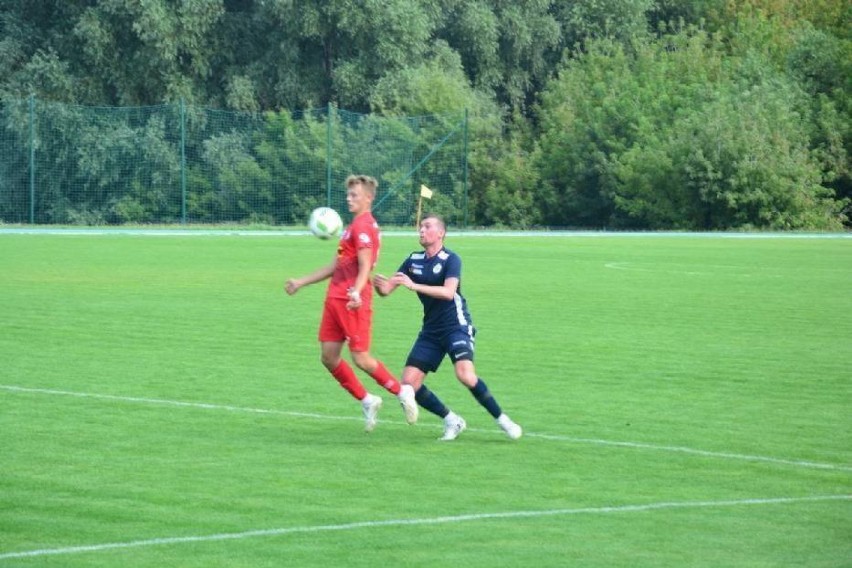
(315, 416)
(623, 509)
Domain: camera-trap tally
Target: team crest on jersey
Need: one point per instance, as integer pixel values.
(437, 268)
(364, 238)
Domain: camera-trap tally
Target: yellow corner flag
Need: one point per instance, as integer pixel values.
(424, 192)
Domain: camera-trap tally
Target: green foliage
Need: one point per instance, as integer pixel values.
(621, 20)
(640, 141)
(822, 65)
(510, 179)
(177, 163)
(577, 99)
(738, 163)
(507, 48)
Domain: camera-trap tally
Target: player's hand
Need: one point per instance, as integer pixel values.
(381, 284)
(354, 299)
(292, 286)
(402, 279)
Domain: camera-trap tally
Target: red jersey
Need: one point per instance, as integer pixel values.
(362, 233)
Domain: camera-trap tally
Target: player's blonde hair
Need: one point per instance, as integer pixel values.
(369, 183)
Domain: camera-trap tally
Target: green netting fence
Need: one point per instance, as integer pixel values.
(179, 164)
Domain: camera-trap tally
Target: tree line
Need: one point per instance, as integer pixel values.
(617, 114)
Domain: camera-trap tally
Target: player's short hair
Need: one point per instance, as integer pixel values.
(369, 183)
(437, 218)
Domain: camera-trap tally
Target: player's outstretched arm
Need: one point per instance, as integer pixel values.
(444, 292)
(382, 284)
(292, 285)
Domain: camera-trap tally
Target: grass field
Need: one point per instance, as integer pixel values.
(685, 400)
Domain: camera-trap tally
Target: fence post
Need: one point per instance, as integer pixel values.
(328, 156)
(464, 174)
(182, 162)
(32, 159)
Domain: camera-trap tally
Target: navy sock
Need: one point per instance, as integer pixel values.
(483, 396)
(430, 402)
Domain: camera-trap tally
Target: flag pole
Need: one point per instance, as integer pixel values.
(424, 192)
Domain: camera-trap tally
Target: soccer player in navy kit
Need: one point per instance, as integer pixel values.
(435, 275)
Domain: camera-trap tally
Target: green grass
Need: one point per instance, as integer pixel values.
(162, 387)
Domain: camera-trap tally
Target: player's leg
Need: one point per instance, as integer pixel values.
(453, 423)
(343, 373)
(358, 326)
(376, 369)
(340, 369)
(466, 374)
(460, 349)
(425, 357)
(331, 337)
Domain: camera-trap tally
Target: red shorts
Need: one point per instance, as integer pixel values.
(341, 324)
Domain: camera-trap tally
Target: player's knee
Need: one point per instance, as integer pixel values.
(329, 362)
(467, 379)
(364, 361)
(465, 371)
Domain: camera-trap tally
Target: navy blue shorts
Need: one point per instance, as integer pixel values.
(429, 349)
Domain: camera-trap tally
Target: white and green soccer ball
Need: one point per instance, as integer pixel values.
(325, 222)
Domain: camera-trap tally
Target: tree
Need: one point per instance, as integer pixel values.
(640, 141)
(620, 20)
(507, 48)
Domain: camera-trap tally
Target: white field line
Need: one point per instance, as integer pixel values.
(422, 521)
(553, 437)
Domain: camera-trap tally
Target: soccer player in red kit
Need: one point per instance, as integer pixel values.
(348, 311)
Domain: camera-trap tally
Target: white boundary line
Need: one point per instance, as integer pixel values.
(422, 521)
(557, 438)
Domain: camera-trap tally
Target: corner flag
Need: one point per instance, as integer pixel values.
(424, 192)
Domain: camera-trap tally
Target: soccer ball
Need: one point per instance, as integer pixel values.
(325, 223)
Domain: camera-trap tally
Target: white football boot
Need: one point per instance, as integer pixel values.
(511, 429)
(409, 404)
(371, 405)
(453, 426)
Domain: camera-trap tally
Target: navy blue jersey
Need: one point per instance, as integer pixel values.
(438, 315)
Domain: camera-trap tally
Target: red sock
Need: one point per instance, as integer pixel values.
(347, 379)
(382, 376)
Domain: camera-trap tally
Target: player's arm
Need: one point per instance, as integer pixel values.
(382, 285)
(365, 265)
(292, 285)
(446, 291)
